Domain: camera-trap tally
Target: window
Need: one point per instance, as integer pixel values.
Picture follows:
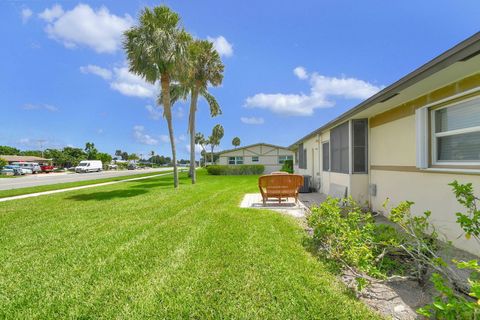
(281, 159)
(339, 149)
(235, 160)
(326, 156)
(456, 133)
(255, 159)
(359, 145)
(302, 157)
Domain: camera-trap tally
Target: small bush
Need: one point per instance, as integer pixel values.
(222, 170)
(3, 163)
(287, 166)
(350, 236)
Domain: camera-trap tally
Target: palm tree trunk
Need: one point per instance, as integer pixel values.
(167, 112)
(191, 127)
(211, 155)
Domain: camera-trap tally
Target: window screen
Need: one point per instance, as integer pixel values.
(326, 156)
(359, 145)
(254, 159)
(457, 132)
(301, 157)
(339, 149)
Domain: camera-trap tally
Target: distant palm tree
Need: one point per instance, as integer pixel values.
(205, 68)
(156, 49)
(214, 139)
(202, 142)
(236, 142)
(152, 154)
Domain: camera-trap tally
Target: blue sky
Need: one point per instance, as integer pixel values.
(289, 67)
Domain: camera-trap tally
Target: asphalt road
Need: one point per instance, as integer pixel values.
(34, 180)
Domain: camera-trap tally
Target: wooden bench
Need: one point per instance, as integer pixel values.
(279, 186)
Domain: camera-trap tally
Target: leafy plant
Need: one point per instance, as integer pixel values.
(287, 166)
(450, 304)
(3, 163)
(246, 169)
(470, 221)
(348, 235)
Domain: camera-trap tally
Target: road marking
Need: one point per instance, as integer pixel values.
(37, 194)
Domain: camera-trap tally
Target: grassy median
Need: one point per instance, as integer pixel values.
(58, 186)
(141, 250)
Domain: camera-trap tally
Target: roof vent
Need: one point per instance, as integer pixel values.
(389, 97)
(470, 56)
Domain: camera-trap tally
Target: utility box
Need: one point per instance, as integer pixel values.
(306, 184)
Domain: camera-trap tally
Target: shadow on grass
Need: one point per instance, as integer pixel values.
(133, 189)
(108, 195)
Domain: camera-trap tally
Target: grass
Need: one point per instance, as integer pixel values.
(58, 186)
(141, 250)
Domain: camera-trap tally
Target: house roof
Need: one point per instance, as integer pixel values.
(22, 158)
(463, 51)
(251, 145)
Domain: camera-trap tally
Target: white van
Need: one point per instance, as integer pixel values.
(89, 166)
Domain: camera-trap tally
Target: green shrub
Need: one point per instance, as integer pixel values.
(222, 170)
(287, 166)
(350, 236)
(3, 163)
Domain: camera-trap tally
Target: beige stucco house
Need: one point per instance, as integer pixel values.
(407, 142)
(271, 156)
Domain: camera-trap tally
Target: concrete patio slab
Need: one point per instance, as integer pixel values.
(288, 207)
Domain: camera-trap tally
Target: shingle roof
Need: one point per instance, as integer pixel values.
(22, 158)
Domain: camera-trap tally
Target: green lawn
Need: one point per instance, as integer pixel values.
(20, 191)
(141, 250)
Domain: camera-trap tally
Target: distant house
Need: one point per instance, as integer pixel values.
(11, 159)
(407, 142)
(271, 156)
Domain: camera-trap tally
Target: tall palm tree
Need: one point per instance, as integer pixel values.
(205, 68)
(152, 154)
(236, 142)
(202, 142)
(214, 139)
(156, 49)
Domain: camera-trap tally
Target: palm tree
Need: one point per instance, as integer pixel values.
(202, 142)
(156, 49)
(214, 139)
(205, 68)
(152, 154)
(236, 142)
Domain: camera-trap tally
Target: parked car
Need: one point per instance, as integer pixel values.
(16, 170)
(33, 166)
(9, 170)
(89, 166)
(47, 168)
(132, 166)
(112, 167)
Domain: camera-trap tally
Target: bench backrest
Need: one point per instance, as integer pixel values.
(284, 181)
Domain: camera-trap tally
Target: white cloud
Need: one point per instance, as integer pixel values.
(252, 120)
(178, 111)
(322, 90)
(198, 148)
(221, 44)
(142, 137)
(84, 26)
(124, 81)
(182, 137)
(26, 14)
(164, 138)
(51, 14)
(301, 73)
(154, 113)
(47, 107)
(101, 72)
(132, 85)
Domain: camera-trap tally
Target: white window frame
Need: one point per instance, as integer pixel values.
(257, 157)
(237, 160)
(434, 136)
